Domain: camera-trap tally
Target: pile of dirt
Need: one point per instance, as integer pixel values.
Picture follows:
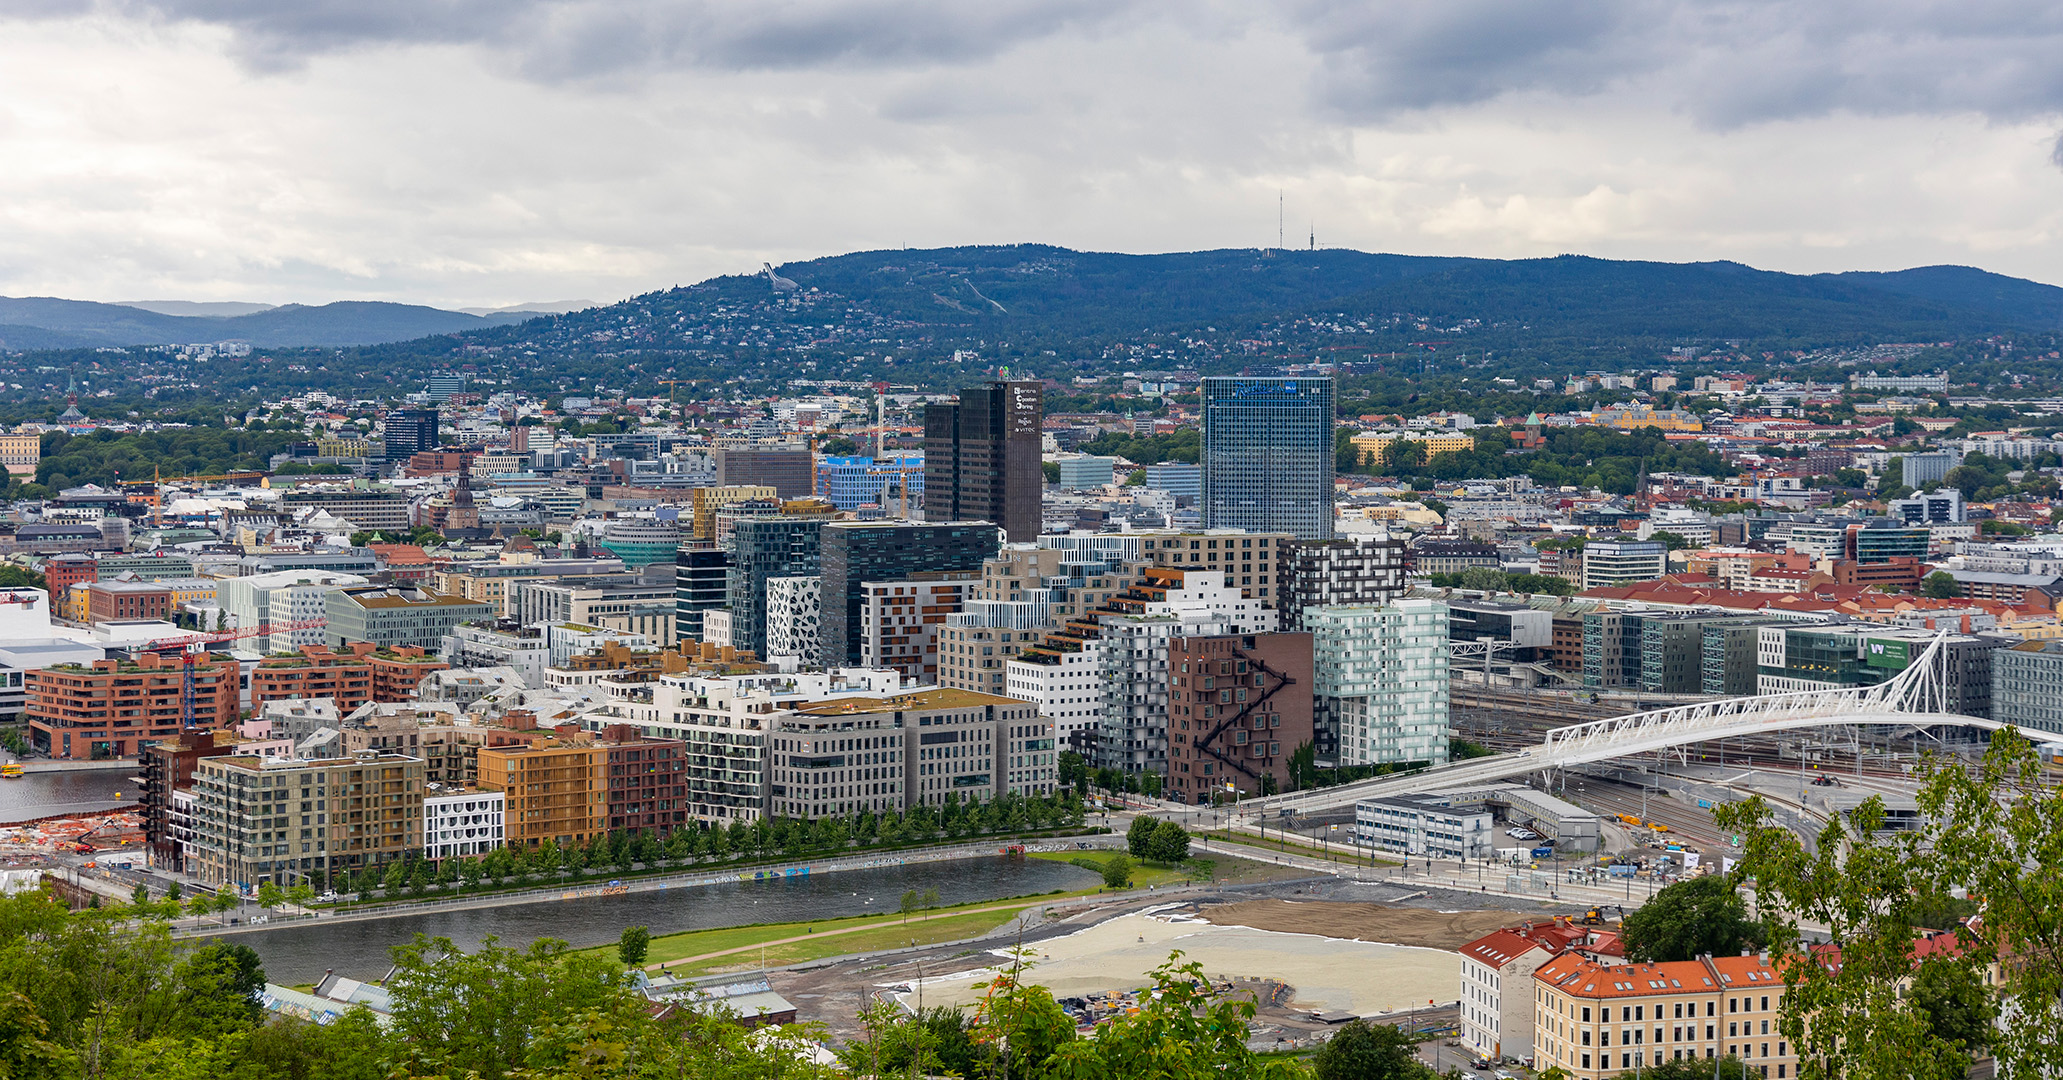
(1364, 922)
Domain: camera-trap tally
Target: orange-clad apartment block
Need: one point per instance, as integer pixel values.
(555, 789)
(354, 676)
(116, 708)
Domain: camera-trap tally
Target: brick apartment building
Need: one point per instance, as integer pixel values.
(352, 676)
(1238, 706)
(117, 708)
(110, 601)
(648, 781)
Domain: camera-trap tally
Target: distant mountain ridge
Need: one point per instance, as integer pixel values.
(42, 322)
(1040, 300)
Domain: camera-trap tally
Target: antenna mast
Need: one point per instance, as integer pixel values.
(1278, 220)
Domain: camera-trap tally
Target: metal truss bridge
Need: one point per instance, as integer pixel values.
(1919, 695)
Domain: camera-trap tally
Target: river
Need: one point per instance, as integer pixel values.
(40, 794)
(301, 954)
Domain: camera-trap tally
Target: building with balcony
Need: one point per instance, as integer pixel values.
(118, 708)
(260, 820)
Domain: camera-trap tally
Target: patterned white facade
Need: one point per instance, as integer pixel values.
(795, 619)
(461, 822)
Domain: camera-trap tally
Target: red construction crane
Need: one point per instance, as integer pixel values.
(194, 646)
(187, 641)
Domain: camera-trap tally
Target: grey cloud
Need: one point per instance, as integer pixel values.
(1726, 63)
(570, 39)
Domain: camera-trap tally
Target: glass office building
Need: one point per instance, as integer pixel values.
(1268, 455)
(856, 552)
(762, 548)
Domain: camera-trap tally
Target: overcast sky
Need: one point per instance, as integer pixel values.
(465, 152)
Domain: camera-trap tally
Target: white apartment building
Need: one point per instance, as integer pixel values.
(1380, 680)
(281, 597)
(523, 650)
(1497, 990)
(1069, 692)
(795, 620)
(461, 821)
(725, 721)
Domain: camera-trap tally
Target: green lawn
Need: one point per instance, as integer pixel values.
(830, 937)
(1143, 874)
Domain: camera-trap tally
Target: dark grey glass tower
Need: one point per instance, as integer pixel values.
(762, 548)
(700, 583)
(981, 458)
(408, 432)
(1268, 455)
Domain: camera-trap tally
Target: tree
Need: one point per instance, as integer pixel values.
(631, 947)
(1941, 585)
(1139, 838)
(1117, 871)
(1670, 540)
(1183, 1030)
(270, 895)
(1170, 843)
(1363, 1051)
(460, 1012)
(225, 979)
(1729, 1067)
(1691, 918)
(1985, 829)
(1957, 1004)
(1484, 579)
(1403, 457)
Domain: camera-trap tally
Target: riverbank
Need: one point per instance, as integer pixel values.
(650, 882)
(304, 950)
(788, 944)
(128, 765)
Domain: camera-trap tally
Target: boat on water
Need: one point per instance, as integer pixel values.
(12, 771)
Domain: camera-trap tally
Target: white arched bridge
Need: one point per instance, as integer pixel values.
(1919, 695)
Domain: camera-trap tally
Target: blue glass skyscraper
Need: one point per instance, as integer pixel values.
(1268, 455)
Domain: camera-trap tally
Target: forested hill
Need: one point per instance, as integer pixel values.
(915, 317)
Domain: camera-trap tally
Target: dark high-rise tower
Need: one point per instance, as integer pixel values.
(408, 432)
(981, 458)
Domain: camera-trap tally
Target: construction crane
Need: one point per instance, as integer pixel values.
(194, 646)
(674, 384)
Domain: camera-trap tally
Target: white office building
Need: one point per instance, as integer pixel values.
(1425, 825)
(725, 721)
(279, 598)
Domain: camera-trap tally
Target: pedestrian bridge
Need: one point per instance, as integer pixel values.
(1919, 695)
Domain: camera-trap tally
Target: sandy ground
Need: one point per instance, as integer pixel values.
(1328, 973)
(1363, 922)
